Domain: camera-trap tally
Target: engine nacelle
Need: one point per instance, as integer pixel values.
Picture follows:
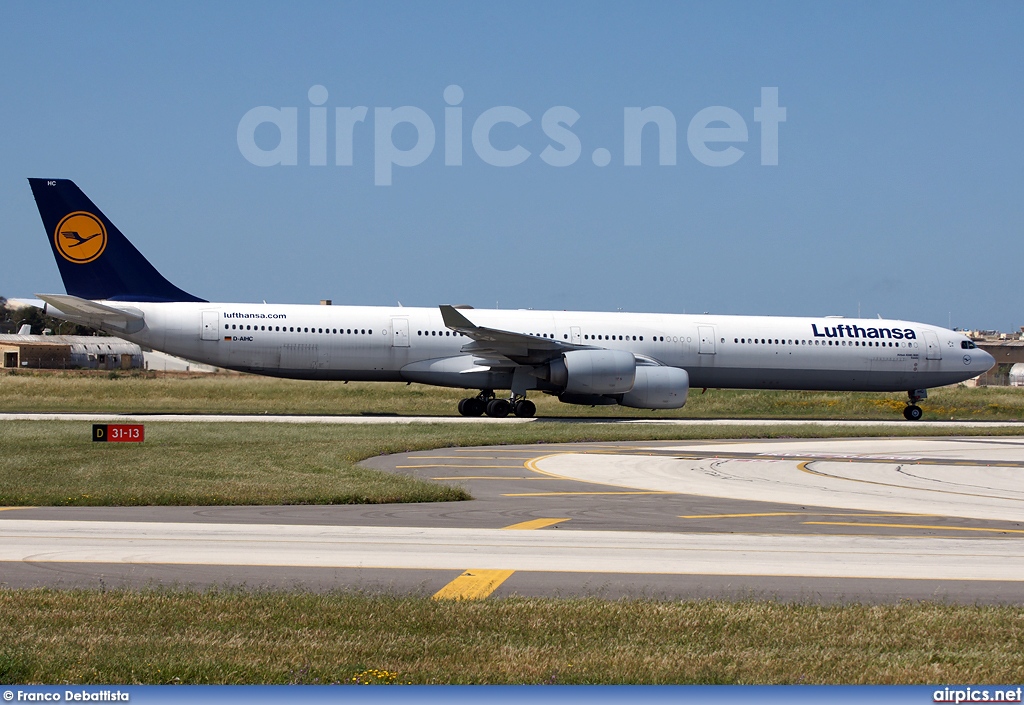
(582, 372)
(587, 399)
(658, 388)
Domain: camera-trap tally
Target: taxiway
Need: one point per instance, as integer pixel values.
(822, 520)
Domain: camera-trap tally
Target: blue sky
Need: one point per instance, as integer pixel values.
(898, 189)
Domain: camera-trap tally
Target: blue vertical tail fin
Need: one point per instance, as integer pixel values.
(95, 260)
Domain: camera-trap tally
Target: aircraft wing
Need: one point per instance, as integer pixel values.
(498, 348)
(73, 308)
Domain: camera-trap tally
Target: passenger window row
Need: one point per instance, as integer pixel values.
(835, 343)
(967, 345)
(293, 329)
(611, 337)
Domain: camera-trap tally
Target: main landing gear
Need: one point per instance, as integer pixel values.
(913, 412)
(487, 403)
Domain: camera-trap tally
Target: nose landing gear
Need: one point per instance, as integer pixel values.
(487, 403)
(913, 412)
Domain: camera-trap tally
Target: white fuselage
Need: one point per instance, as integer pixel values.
(376, 343)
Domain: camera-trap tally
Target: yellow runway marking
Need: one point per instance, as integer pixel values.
(468, 467)
(534, 524)
(4, 509)
(473, 585)
(493, 477)
(462, 457)
(794, 514)
(532, 465)
(563, 494)
(915, 526)
(491, 450)
(479, 584)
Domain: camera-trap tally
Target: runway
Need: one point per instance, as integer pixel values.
(821, 520)
(637, 552)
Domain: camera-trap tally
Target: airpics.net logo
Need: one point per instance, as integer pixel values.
(712, 134)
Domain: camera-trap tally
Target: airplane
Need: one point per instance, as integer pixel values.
(638, 360)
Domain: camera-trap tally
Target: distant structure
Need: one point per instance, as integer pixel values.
(87, 352)
(66, 352)
(1008, 351)
(1017, 375)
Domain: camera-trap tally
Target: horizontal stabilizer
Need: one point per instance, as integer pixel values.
(73, 308)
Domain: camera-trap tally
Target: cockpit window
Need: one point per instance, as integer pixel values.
(967, 345)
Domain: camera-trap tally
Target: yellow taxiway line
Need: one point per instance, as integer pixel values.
(570, 494)
(534, 524)
(468, 467)
(491, 477)
(473, 585)
(463, 457)
(794, 514)
(479, 584)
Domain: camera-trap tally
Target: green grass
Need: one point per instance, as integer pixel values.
(152, 637)
(56, 462)
(248, 394)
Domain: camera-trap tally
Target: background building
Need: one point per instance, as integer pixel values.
(63, 352)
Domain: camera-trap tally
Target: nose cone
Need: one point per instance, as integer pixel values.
(982, 361)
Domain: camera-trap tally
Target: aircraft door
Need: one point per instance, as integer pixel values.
(211, 325)
(575, 334)
(932, 342)
(707, 340)
(399, 332)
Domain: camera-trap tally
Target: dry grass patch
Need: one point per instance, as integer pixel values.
(238, 637)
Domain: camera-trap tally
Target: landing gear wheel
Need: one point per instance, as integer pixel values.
(498, 408)
(471, 407)
(913, 413)
(524, 409)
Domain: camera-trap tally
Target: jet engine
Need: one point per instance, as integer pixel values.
(657, 388)
(586, 372)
